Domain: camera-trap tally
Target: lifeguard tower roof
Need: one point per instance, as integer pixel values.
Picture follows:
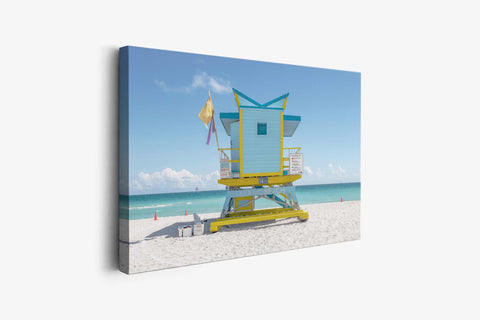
(290, 122)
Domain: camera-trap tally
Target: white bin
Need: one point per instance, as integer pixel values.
(198, 226)
(185, 231)
(198, 229)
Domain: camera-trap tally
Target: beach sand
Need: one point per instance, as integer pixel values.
(153, 245)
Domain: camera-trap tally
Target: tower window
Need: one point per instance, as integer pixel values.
(261, 129)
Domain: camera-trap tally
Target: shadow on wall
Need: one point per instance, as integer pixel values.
(110, 174)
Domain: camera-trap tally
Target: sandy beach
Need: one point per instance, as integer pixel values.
(153, 245)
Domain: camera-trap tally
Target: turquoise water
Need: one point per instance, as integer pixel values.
(175, 204)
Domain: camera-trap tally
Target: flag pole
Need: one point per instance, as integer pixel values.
(216, 136)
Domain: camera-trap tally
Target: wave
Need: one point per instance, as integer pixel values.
(153, 206)
(160, 205)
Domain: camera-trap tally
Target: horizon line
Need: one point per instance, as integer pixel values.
(300, 185)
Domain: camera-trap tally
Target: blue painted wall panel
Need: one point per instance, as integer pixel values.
(261, 153)
(235, 154)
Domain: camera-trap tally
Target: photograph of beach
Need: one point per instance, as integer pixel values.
(154, 244)
(210, 172)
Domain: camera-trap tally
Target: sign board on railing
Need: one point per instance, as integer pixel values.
(296, 163)
(225, 172)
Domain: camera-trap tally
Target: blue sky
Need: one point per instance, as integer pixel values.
(168, 150)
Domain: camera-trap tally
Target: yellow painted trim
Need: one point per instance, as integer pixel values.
(240, 126)
(245, 182)
(262, 174)
(281, 140)
(228, 149)
(236, 100)
(247, 213)
(217, 224)
(285, 196)
(234, 160)
(250, 205)
(284, 104)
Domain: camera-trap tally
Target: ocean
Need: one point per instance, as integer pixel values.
(175, 204)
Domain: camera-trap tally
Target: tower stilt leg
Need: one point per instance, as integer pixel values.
(283, 196)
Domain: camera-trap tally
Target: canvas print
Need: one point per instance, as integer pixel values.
(224, 158)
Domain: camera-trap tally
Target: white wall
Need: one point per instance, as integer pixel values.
(419, 255)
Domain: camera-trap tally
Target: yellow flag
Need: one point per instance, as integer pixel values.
(206, 113)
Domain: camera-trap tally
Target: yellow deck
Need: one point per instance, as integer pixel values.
(258, 215)
(262, 211)
(253, 181)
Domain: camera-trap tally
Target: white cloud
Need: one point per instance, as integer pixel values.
(161, 84)
(218, 85)
(169, 180)
(165, 88)
(200, 80)
(339, 171)
(308, 170)
(357, 174)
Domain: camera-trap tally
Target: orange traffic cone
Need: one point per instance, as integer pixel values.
(185, 211)
(155, 216)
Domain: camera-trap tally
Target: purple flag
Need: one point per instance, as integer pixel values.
(211, 131)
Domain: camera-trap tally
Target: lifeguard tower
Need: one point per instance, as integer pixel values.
(257, 165)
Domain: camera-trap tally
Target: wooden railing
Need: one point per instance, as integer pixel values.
(225, 161)
(225, 156)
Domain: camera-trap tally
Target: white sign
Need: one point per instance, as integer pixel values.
(225, 172)
(296, 163)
